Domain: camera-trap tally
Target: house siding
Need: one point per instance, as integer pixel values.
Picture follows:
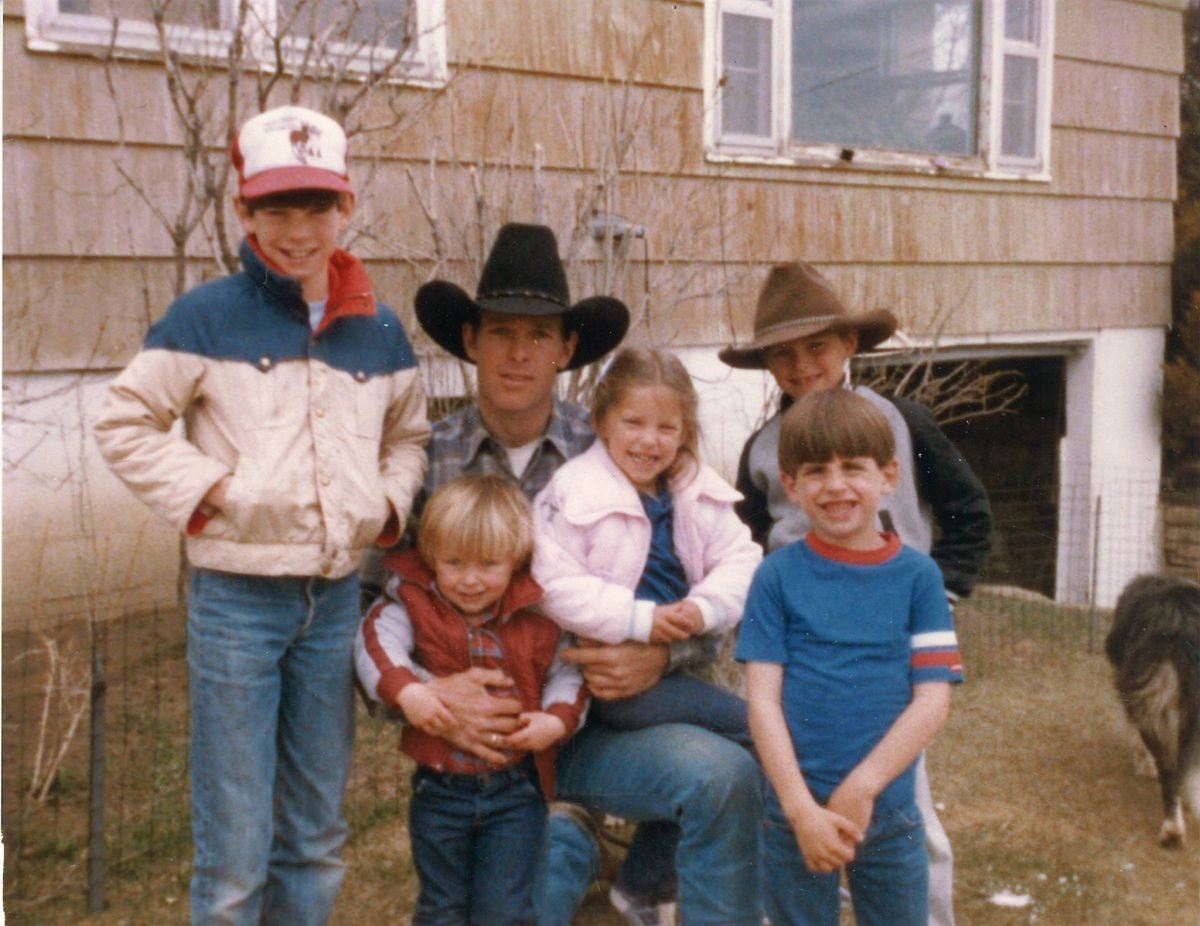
(87, 267)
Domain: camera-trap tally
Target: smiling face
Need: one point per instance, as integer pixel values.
(299, 239)
(643, 432)
(474, 585)
(517, 358)
(809, 364)
(841, 498)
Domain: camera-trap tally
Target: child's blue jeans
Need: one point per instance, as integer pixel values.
(679, 698)
(889, 877)
(270, 675)
(476, 841)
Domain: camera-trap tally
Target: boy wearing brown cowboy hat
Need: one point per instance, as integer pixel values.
(804, 336)
(689, 788)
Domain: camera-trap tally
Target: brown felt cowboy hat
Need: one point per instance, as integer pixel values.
(795, 302)
(523, 276)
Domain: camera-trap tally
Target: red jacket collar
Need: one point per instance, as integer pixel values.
(350, 291)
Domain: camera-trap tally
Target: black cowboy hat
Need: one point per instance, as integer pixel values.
(523, 276)
(795, 302)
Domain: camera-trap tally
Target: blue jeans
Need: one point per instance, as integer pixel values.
(680, 698)
(697, 798)
(889, 877)
(475, 845)
(272, 709)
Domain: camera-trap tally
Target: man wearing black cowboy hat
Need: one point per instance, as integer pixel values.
(520, 331)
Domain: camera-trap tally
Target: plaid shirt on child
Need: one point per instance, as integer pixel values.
(487, 652)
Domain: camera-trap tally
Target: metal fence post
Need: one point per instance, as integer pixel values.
(1095, 574)
(96, 750)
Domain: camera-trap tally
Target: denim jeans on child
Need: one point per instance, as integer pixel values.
(272, 710)
(680, 698)
(698, 790)
(475, 843)
(889, 877)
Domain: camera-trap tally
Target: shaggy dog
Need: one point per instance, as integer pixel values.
(1154, 646)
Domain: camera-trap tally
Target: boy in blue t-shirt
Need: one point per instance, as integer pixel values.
(850, 652)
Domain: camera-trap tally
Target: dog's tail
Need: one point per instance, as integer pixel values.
(1160, 673)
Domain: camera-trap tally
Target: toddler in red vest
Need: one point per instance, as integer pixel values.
(464, 599)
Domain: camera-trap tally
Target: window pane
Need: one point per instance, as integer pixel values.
(886, 75)
(1021, 20)
(200, 13)
(1018, 136)
(746, 92)
(374, 22)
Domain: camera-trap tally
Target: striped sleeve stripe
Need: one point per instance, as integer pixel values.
(929, 659)
(934, 639)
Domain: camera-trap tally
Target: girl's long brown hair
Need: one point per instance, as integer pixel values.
(633, 367)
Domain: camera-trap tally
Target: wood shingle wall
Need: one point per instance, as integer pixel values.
(590, 85)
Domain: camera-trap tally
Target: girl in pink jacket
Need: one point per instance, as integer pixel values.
(636, 539)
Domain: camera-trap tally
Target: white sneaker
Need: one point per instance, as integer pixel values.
(633, 912)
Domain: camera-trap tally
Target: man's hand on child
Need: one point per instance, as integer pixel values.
(481, 720)
(540, 731)
(619, 670)
(676, 621)
(828, 841)
(423, 710)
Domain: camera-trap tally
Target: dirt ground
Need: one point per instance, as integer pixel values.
(1033, 777)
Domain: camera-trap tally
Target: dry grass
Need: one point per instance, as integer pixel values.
(1033, 772)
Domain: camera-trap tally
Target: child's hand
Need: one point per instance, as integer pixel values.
(676, 621)
(539, 731)
(424, 710)
(828, 841)
(854, 801)
(214, 498)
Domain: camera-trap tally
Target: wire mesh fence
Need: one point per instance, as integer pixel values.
(57, 857)
(95, 803)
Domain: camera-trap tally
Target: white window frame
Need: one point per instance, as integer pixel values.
(999, 45)
(46, 29)
(780, 148)
(778, 15)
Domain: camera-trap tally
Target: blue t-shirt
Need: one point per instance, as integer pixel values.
(854, 632)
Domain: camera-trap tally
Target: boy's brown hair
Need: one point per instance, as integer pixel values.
(319, 200)
(834, 423)
(477, 516)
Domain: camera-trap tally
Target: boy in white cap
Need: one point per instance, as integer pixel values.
(303, 446)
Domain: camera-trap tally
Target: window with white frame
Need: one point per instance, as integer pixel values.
(949, 83)
(366, 35)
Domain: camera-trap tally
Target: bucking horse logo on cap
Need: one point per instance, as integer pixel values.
(306, 142)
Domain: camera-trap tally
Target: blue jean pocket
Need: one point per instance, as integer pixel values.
(895, 822)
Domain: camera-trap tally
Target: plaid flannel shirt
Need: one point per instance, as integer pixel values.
(462, 445)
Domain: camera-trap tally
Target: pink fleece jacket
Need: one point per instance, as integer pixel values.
(593, 539)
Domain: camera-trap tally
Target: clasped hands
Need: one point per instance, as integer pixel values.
(829, 836)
